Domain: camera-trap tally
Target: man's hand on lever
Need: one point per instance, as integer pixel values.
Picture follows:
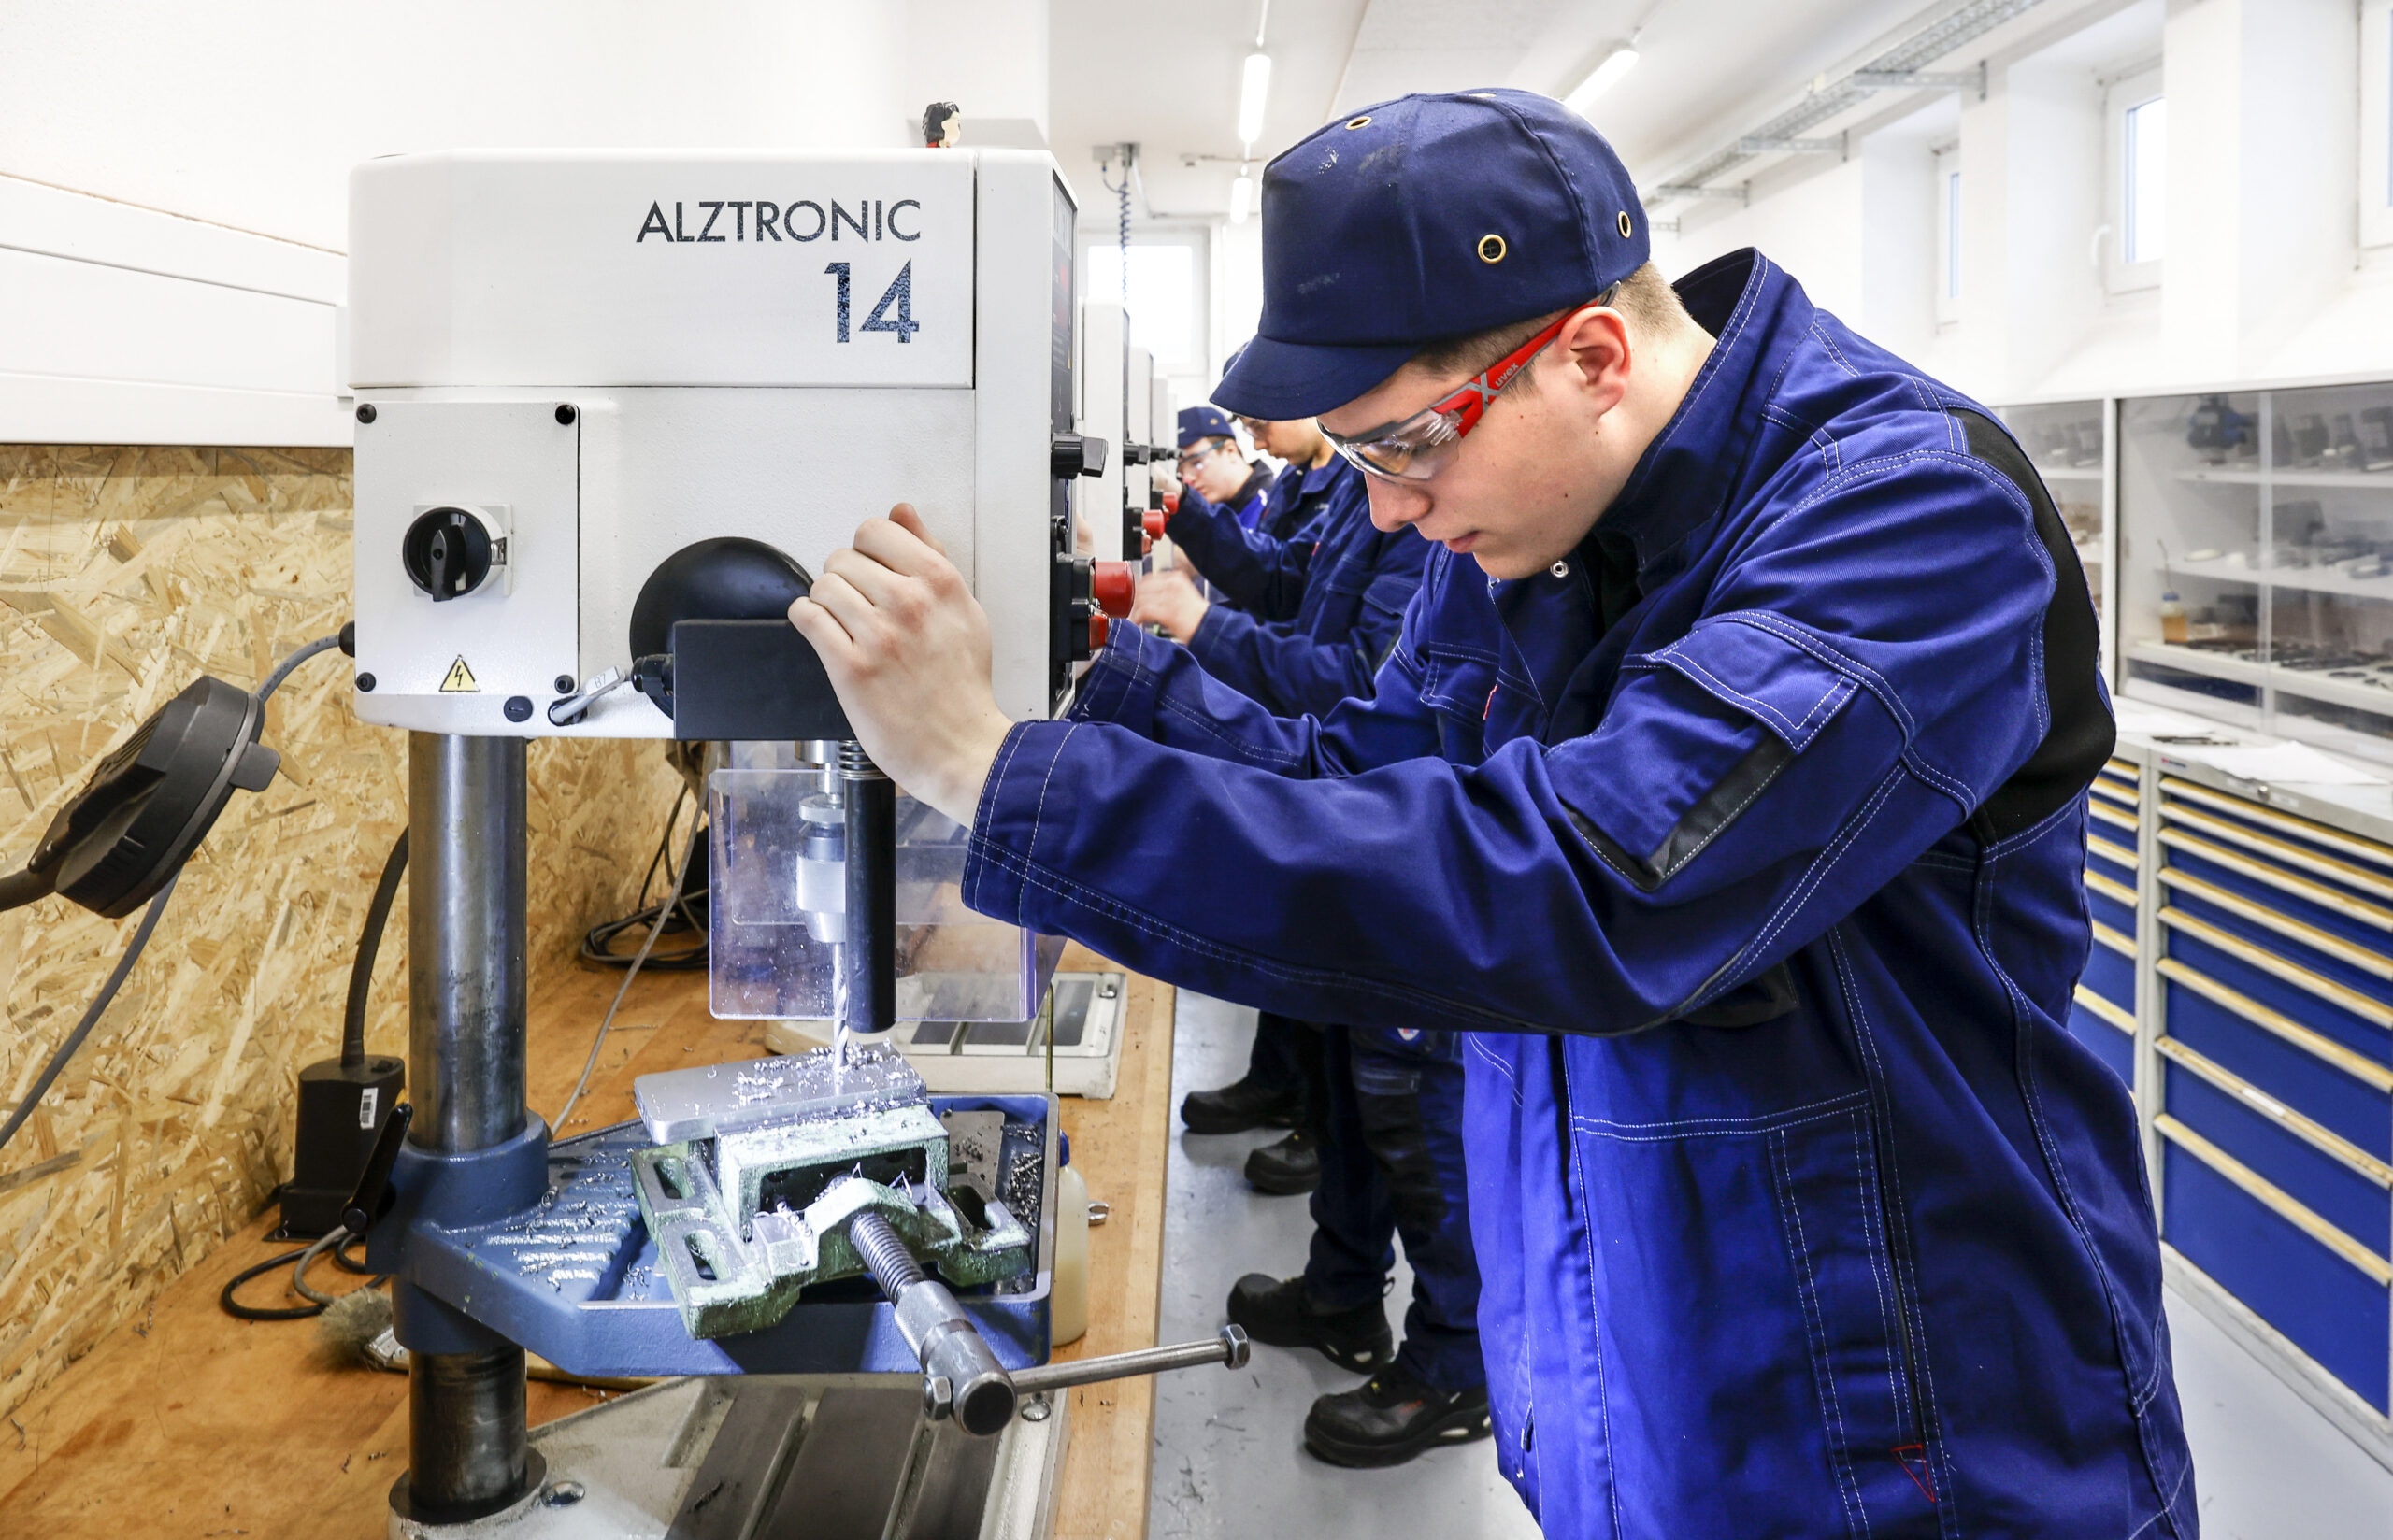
(1167, 598)
(907, 646)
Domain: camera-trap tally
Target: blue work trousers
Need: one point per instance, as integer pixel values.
(1391, 1166)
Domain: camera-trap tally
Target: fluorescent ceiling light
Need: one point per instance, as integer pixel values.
(1254, 83)
(1619, 62)
(1241, 198)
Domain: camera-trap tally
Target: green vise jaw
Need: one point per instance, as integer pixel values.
(760, 1165)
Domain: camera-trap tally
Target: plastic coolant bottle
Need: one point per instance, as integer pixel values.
(1067, 1305)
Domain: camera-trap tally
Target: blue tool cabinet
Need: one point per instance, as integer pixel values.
(2240, 982)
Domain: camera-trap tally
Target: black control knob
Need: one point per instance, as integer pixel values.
(449, 553)
(1075, 454)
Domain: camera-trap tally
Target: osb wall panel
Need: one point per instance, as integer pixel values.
(125, 573)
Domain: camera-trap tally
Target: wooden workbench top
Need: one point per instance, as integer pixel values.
(194, 1426)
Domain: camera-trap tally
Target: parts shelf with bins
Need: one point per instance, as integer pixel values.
(2069, 443)
(2256, 566)
(2260, 1052)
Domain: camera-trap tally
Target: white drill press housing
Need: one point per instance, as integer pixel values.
(599, 357)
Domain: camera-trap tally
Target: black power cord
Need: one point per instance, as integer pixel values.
(369, 947)
(684, 912)
(95, 843)
(335, 1244)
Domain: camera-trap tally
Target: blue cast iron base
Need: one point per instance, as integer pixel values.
(481, 1247)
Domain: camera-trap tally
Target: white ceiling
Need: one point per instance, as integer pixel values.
(1167, 75)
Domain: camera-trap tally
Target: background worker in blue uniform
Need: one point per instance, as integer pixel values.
(1221, 474)
(1297, 611)
(1729, 793)
(1381, 1145)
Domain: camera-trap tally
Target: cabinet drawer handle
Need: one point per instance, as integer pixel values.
(2286, 1205)
(2309, 1130)
(2117, 855)
(2109, 814)
(2110, 888)
(2301, 828)
(2267, 962)
(2103, 1008)
(2123, 944)
(2277, 849)
(2366, 1071)
(2279, 878)
(2111, 791)
(2284, 925)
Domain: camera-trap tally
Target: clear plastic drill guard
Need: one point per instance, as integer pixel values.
(776, 841)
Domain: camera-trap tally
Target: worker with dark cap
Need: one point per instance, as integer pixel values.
(1726, 787)
(1308, 618)
(1214, 467)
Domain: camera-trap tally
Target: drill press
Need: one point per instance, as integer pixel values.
(610, 405)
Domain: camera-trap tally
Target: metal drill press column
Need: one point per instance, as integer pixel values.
(466, 1009)
(870, 952)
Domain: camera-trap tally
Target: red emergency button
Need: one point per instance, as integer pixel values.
(1114, 585)
(1099, 628)
(1156, 518)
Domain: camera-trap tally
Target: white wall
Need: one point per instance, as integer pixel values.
(2264, 278)
(205, 312)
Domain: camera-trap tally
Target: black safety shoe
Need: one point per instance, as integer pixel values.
(1392, 1416)
(1275, 1311)
(1287, 1169)
(1238, 1107)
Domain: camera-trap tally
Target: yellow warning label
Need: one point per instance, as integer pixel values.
(459, 681)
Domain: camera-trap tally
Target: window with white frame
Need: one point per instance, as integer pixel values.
(1164, 294)
(2136, 232)
(1947, 182)
(2376, 122)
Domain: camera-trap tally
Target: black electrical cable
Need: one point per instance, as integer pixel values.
(369, 945)
(49, 1072)
(335, 1243)
(150, 916)
(19, 888)
(681, 907)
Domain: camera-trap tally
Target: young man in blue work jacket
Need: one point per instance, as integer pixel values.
(1259, 621)
(1729, 794)
(1383, 1156)
(1211, 465)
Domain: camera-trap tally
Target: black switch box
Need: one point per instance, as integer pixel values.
(340, 1111)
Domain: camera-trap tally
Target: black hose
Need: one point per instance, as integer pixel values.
(369, 945)
(19, 888)
(92, 1015)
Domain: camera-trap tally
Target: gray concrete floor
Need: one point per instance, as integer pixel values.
(1229, 1459)
(1229, 1456)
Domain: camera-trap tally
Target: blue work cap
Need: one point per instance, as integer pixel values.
(1423, 218)
(1198, 424)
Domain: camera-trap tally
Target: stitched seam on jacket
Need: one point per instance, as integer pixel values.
(1252, 754)
(1815, 1330)
(1841, 690)
(1931, 1438)
(1817, 872)
(1657, 1134)
(1498, 1066)
(1873, 1225)
(1760, 1123)
(1576, 1161)
(2168, 1507)
(2034, 830)
(1674, 868)
(1038, 815)
(1031, 874)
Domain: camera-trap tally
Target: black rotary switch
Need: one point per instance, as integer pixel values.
(448, 553)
